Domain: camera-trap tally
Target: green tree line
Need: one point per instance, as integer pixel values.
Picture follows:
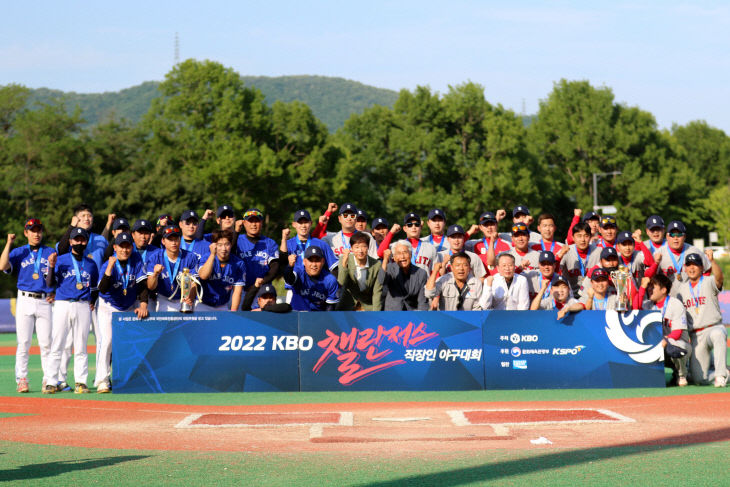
(210, 139)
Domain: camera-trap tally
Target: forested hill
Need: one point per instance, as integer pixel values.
(332, 100)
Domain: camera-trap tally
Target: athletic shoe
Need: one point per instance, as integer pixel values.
(81, 388)
(23, 385)
(49, 389)
(682, 381)
(103, 388)
(63, 387)
(720, 381)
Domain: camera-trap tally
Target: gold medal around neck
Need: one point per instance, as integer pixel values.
(35, 275)
(124, 292)
(697, 310)
(90, 256)
(679, 277)
(79, 286)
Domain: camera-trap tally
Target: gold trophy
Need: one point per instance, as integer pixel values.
(186, 282)
(620, 279)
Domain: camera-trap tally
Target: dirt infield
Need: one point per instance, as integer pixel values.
(363, 428)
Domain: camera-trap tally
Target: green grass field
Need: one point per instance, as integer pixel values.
(699, 464)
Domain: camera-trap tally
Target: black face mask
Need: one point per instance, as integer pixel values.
(78, 248)
(611, 269)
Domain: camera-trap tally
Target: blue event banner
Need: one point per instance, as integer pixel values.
(384, 351)
(205, 352)
(590, 349)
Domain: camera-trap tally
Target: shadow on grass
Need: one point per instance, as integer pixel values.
(51, 469)
(533, 464)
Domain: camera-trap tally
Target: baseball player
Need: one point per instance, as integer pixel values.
(699, 294)
(379, 230)
(83, 217)
(600, 295)
(361, 221)
(456, 239)
(314, 288)
(555, 294)
(339, 241)
(222, 275)
(507, 289)
(163, 268)
(671, 256)
(526, 258)
(490, 246)
(608, 230)
(634, 255)
(33, 306)
(320, 231)
(266, 301)
(677, 348)
(520, 215)
(75, 277)
(546, 272)
(546, 227)
(298, 244)
(189, 224)
(655, 231)
(260, 254)
(609, 262)
(593, 220)
(458, 290)
(123, 287)
(437, 225)
(580, 257)
(225, 217)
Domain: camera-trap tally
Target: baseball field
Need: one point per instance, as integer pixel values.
(545, 437)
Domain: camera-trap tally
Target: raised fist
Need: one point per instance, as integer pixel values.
(473, 229)
(285, 233)
(657, 257)
(437, 267)
(500, 214)
(645, 282)
(239, 226)
(386, 255)
(11, 238)
(577, 212)
(110, 219)
(395, 228)
(112, 260)
(292, 259)
(324, 219)
(637, 235)
(212, 247)
(158, 269)
(260, 280)
(489, 280)
(710, 255)
(74, 221)
(208, 214)
(529, 220)
(563, 250)
(52, 260)
(332, 207)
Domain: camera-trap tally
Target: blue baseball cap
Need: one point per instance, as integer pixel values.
(380, 221)
(362, 214)
(624, 237)
(266, 289)
(299, 214)
(608, 221)
(120, 224)
(222, 210)
(171, 231)
(676, 226)
(142, 224)
(520, 210)
(487, 217)
(78, 232)
(122, 238)
(654, 221)
(348, 207)
(591, 215)
(411, 216)
(608, 253)
(546, 257)
(313, 251)
(599, 273)
(455, 230)
(436, 212)
(188, 214)
(694, 259)
(253, 213)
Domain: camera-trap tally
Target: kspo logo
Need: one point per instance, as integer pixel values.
(517, 338)
(639, 351)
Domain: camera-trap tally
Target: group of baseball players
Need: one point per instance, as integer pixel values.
(66, 290)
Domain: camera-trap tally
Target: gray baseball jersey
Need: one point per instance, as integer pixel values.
(701, 302)
(423, 255)
(440, 246)
(672, 264)
(574, 268)
(532, 257)
(338, 241)
(534, 281)
(548, 304)
(477, 267)
(534, 237)
(609, 302)
(674, 318)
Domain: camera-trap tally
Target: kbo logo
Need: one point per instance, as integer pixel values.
(517, 338)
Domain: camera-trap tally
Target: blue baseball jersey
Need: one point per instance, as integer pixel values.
(199, 248)
(295, 246)
(166, 285)
(311, 294)
(66, 280)
(256, 256)
(23, 263)
(218, 287)
(135, 272)
(96, 242)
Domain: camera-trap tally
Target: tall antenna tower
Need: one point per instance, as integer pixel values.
(524, 108)
(177, 48)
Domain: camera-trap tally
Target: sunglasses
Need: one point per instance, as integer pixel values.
(676, 234)
(250, 214)
(349, 215)
(413, 224)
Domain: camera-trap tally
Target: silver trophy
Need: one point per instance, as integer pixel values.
(186, 282)
(620, 279)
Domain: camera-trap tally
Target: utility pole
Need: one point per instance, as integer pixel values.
(177, 49)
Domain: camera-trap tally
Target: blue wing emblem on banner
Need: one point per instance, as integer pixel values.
(643, 353)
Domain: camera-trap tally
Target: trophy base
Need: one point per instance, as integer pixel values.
(186, 308)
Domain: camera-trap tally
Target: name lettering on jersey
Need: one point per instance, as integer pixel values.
(31, 261)
(695, 302)
(313, 293)
(72, 273)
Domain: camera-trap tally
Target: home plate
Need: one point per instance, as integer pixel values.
(228, 420)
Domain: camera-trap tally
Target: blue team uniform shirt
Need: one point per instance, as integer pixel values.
(199, 248)
(311, 294)
(135, 273)
(66, 278)
(256, 256)
(164, 285)
(144, 255)
(22, 262)
(218, 287)
(295, 246)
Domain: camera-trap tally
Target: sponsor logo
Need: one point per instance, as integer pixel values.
(519, 364)
(535, 351)
(517, 338)
(514, 338)
(516, 352)
(638, 350)
(569, 351)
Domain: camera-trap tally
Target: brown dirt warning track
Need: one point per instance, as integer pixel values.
(368, 427)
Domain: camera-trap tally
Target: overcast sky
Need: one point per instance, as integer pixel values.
(670, 58)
